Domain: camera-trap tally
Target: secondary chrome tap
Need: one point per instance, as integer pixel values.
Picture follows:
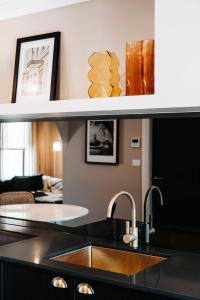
(131, 235)
(148, 217)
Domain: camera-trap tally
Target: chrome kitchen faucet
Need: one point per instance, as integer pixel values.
(131, 235)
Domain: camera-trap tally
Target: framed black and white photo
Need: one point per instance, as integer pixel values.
(36, 64)
(102, 141)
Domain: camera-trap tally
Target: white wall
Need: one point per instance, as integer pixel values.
(177, 53)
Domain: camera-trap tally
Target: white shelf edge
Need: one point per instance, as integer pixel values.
(131, 106)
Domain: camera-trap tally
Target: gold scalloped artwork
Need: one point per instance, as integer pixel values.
(104, 75)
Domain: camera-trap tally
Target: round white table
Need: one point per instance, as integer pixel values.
(43, 212)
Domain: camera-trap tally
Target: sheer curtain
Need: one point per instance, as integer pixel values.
(16, 150)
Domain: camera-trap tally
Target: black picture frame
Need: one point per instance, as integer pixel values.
(54, 64)
(102, 158)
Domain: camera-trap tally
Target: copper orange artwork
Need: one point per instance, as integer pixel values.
(104, 75)
(140, 67)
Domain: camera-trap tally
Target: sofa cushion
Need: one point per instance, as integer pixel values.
(6, 186)
(52, 184)
(37, 182)
(22, 183)
(27, 183)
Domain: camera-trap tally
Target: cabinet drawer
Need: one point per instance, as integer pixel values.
(102, 291)
(24, 282)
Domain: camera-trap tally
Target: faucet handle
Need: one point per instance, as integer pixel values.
(127, 238)
(131, 237)
(152, 230)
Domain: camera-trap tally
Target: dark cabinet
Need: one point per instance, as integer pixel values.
(24, 282)
(98, 290)
(102, 291)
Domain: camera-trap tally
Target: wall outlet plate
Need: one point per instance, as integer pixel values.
(136, 162)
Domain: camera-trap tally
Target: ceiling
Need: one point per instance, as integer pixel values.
(15, 8)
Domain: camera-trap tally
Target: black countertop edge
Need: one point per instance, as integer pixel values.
(32, 224)
(177, 277)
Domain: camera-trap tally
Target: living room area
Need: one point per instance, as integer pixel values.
(31, 163)
(53, 162)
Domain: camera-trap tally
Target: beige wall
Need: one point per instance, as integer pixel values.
(85, 28)
(93, 185)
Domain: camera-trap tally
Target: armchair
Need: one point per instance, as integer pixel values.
(16, 198)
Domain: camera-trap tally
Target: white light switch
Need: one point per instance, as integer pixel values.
(136, 162)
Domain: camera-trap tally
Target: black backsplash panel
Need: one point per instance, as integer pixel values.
(176, 171)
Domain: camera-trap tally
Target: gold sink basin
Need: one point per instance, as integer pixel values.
(107, 259)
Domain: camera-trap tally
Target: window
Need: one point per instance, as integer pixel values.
(15, 149)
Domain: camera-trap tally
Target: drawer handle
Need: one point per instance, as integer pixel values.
(59, 282)
(85, 288)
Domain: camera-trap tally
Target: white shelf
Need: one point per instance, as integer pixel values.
(132, 106)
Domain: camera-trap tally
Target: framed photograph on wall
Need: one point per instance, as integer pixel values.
(102, 142)
(36, 65)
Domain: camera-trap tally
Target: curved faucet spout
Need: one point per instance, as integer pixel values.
(148, 218)
(130, 197)
(146, 201)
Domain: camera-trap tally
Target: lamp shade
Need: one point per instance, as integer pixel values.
(57, 147)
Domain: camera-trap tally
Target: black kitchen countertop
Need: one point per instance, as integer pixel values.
(178, 276)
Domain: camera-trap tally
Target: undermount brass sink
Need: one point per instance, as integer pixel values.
(107, 259)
